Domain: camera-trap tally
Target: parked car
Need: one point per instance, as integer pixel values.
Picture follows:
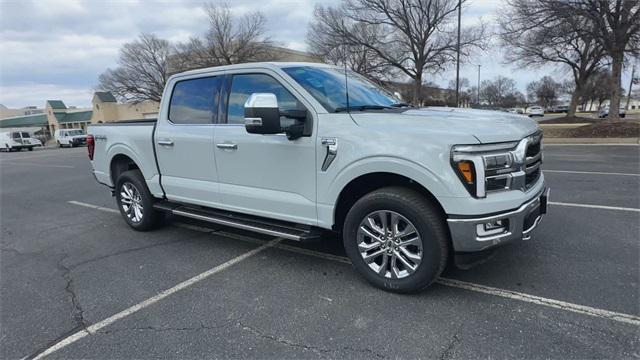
(560, 109)
(279, 149)
(70, 137)
(515, 111)
(536, 111)
(604, 112)
(18, 140)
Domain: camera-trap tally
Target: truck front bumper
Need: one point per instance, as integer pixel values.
(471, 234)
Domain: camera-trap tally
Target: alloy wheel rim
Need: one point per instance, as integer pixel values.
(389, 244)
(131, 202)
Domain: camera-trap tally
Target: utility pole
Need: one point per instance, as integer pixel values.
(479, 84)
(458, 56)
(633, 73)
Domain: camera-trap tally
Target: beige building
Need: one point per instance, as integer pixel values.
(104, 108)
(6, 112)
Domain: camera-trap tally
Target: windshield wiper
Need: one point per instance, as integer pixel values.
(362, 108)
(401, 104)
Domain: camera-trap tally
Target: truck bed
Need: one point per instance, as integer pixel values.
(133, 139)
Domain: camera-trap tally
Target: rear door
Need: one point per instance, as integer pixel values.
(184, 141)
(265, 175)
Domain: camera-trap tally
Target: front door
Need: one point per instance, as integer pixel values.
(184, 142)
(265, 175)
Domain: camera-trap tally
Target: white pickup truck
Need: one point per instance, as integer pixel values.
(283, 149)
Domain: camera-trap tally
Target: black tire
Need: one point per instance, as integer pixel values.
(30, 148)
(59, 145)
(151, 218)
(427, 220)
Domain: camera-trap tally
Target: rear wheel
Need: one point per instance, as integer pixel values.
(396, 239)
(135, 201)
(30, 148)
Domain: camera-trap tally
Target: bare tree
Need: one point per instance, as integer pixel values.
(545, 91)
(229, 40)
(323, 42)
(537, 34)
(615, 25)
(597, 89)
(415, 36)
(142, 70)
(494, 92)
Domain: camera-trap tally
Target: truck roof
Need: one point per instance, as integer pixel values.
(267, 65)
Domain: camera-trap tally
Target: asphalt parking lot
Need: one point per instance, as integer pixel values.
(77, 282)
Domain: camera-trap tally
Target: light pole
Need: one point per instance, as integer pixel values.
(633, 73)
(479, 84)
(458, 56)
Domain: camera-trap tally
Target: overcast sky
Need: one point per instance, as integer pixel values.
(57, 49)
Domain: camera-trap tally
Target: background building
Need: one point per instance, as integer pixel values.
(56, 115)
(6, 112)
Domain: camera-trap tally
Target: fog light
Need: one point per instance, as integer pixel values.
(493, 227)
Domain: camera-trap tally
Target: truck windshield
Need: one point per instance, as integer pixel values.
(327, 86)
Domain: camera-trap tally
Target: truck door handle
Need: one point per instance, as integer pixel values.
(227, 146)
(165, 142)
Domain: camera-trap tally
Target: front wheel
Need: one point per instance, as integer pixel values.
(30, 148)
(397, 239)
(135, 201)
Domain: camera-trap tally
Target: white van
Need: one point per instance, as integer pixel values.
(70, 137)
(17, 140)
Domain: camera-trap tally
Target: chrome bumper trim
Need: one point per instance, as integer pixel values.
(464, 234)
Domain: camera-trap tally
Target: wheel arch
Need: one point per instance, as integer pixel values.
(120, 163)
(366, 183)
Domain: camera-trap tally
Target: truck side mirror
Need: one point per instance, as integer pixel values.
(261, 114)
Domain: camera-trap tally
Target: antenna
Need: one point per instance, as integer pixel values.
(346, 83)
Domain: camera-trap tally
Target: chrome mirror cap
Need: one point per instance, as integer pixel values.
(262, 100)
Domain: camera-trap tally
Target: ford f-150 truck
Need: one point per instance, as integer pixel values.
(295, 149)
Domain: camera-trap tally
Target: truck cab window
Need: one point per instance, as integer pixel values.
(244, 85)
(195, 101)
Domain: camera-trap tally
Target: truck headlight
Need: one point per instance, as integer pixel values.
(490, 167)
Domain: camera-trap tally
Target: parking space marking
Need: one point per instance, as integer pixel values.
(92, 329)
(557, 304)
(74, 154)
(618, 208)
(14, 162)
(588, 172)
(91, 206)
(513, 295)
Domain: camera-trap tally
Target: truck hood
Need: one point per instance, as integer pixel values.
(79, 137)
(485, 125)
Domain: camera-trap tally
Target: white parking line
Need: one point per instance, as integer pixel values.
(594, 206)
(90, 330)
(14, 162)
(588, 172)
(73, 154)
(538, 300)
(514, 295)
(91, 206)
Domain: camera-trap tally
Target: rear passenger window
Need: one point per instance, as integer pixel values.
(195, 101)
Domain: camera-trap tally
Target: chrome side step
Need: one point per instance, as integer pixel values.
(281, 229)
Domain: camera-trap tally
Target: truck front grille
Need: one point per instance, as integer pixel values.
(533, 160)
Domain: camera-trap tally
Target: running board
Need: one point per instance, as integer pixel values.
(286, 230)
